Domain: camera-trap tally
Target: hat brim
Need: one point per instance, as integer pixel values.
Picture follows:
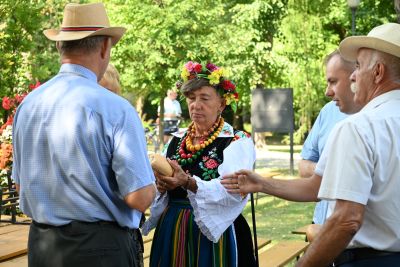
(56, 35)
(349, 47)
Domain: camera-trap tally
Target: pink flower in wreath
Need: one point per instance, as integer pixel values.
(211, 164)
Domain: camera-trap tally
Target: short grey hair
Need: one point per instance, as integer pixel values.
(86, 45)
(391, 62)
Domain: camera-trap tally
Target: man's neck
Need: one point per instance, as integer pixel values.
(86, 61)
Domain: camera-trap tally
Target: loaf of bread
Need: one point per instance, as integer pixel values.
(160, 164)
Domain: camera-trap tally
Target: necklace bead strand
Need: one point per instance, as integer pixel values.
(194, 151)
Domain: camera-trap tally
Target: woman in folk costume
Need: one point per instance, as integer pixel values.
(197, 222)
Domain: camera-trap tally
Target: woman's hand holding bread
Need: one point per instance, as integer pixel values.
(169, 174)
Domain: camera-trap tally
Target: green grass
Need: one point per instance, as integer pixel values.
(276, 218)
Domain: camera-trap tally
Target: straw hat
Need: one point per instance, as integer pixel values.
(384, 38)
(81, 21)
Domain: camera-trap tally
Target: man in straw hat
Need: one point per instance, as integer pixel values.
(359, 164)
(361, 175)
(80, 159)
(338, 71)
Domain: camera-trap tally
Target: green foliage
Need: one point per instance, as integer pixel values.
(303, 46)
(163, 35)
(310, 31)
(26, 55)
(19, 22)
(269, 43)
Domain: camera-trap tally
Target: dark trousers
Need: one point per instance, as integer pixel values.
(384, 261)
(81, 244)
(367, 257)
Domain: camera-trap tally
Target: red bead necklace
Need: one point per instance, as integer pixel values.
(187, 152)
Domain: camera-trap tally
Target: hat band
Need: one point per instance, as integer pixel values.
(80, 29)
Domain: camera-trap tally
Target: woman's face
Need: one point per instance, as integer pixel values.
(205, 104)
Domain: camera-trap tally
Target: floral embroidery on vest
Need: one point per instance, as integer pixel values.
(209, 165)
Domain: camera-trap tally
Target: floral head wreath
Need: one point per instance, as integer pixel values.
(216, 77)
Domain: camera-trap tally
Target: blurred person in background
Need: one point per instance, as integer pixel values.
(110, 79)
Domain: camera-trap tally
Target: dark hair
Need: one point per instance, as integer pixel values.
(195, 84)
(350, 65)
(86, 45)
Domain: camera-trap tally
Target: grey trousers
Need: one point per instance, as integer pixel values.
(82, 244)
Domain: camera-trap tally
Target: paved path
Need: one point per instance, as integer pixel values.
(273, 159)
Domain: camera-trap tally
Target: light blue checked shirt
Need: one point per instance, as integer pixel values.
(78, 150)
(315, 143)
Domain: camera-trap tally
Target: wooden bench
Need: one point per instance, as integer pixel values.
(301, 230)
(13, 241)
(282, 253)
(21, 261)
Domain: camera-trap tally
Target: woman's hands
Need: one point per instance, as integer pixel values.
(179, 178)
(242, 182)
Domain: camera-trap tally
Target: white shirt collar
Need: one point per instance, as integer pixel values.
(380, 99)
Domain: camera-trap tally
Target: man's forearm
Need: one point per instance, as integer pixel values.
(334, 236)
(301, 190)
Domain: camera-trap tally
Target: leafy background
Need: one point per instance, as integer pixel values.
(270, 43)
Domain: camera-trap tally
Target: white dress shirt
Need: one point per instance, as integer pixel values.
(361, 163)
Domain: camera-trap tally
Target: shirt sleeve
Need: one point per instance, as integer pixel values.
(130, 161)
(348, 167)
(214, 208)
(310, 149)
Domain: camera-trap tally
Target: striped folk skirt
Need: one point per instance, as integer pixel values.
(178, 241)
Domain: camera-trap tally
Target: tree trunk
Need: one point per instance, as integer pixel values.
(397, 8)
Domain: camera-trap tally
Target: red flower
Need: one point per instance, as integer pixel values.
(228, 85)
(34, 86)
(19, 98)
(197, 67)
(8, 103)
(211, 164)
(236, 95)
